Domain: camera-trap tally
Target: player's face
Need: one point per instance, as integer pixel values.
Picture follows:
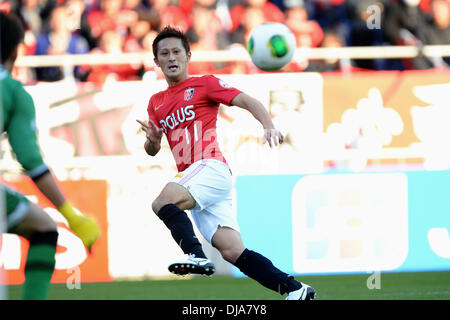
(172, 59)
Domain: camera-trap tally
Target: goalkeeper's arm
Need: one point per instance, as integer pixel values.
(85, 228)
(47, 185)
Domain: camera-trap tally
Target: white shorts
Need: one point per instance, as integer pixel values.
(210, 183)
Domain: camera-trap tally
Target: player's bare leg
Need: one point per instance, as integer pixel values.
(254, 265)
(173, 193)
(170, 206)
(40, 230)
(35, 221)
(229, 243)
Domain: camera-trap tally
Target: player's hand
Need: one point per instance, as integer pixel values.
(273, 136)
(152, 132)
(85, 228)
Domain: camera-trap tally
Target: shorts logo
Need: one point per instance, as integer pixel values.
(188, 94)
(180, 175)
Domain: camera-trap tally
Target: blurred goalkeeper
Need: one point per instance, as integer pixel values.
(186, 112)
(24, 218)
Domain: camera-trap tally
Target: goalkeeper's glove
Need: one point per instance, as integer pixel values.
(85, 228)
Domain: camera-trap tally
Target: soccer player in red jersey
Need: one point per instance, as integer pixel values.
(186, 112)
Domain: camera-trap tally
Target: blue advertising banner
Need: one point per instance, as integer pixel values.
(347, 222)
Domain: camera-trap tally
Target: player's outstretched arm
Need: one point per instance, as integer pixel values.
(271, 135)
(47, 185)
(153, 134)
(85, 228)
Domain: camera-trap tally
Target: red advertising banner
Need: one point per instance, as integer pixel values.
(73, 262)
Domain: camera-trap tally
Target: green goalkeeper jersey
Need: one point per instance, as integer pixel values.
(19, 123)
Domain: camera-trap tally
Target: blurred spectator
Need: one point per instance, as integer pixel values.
(147, 40)
(401, 19)
(78, 22)
(111, 16)
(145, 11)
(361, 35)
(436, 31)
(136, 33)
(225, 24)
(331, 14)
(135, 5)
(285, 4)
(34, 15)
(308, 33)
(59, 40)
(174, 16)
(167, 12)
(7, 6)
(223, 13)
(23, 74)
(206, 33)
(29, 11)
(332, 39)
(407, 24)
(111, 42)
(252, 17)
(270, 12)
(156, 7)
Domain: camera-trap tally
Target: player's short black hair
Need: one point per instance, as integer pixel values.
(170, 32)
(11, 34)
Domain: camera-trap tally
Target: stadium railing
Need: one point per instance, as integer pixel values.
(374, 52)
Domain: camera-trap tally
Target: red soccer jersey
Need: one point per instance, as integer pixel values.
(187, 113)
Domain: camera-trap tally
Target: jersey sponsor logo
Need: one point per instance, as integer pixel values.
(175, 118)
(188, 94)
(224, 85)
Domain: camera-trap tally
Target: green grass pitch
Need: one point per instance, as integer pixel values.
(393, 286)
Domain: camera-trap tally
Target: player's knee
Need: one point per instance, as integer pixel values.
(36, 220)
(46, 223)
(230, 254)
(182, 202)
(175, 194)
(163, 199)
(39, 227)
(157, 205)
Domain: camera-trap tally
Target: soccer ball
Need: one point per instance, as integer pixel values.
(271, 46)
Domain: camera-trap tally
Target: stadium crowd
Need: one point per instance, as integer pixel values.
(115, 26)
